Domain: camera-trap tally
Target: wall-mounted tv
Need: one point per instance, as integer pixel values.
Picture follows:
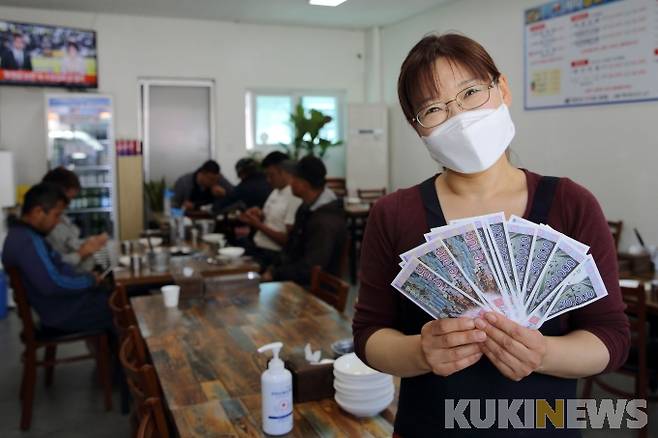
(39, 54)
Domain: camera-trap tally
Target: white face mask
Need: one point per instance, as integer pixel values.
(472, 141)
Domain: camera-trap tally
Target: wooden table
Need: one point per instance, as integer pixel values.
(205, 356)
(148, 277)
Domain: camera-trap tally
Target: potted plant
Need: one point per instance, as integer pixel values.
(307, 140)
(154, 192)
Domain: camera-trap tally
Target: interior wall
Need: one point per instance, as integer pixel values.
(236, 56)
(612, 149)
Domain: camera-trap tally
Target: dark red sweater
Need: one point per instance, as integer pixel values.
(397, 223)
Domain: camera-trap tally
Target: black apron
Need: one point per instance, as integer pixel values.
(421, 406)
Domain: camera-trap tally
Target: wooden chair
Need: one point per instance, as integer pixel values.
(123, 315)
(142, 381)
(615, 229)
(148, 426)
(329, 288)
(370, 196)
(338, 186)
(35, 337)
(637, 364)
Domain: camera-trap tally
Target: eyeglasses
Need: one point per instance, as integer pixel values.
(467, 99)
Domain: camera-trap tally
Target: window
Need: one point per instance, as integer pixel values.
(268, 116)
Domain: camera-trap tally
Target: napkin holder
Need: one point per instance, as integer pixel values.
(310, 382)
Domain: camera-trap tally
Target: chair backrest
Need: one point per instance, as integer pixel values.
(370, 195)
(153, 423)
(636, 308)
(337, 185)
(123, 315)
(132, 353)
(22, 304)
(615, 229)
(329, 288)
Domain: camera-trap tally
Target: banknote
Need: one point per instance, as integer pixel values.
(463, 242)
(583, 287)
(563, 262)
(436, 256)
(545, 243)
(431, 293)
(501, 245)
(522, 239)
(519, 220)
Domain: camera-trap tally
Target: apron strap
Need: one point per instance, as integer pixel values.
(544, 194)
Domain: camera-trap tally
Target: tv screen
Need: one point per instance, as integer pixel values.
(38, 54)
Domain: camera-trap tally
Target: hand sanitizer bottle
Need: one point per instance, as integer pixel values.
(276, 388)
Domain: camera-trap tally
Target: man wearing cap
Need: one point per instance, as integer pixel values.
(319, 232)
(275, 220)
(252, 191)
(201, 187)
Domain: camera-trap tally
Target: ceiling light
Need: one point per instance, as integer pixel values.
(325, 2)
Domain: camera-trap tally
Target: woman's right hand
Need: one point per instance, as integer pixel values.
(451, 344)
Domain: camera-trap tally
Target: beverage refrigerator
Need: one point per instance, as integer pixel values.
(80, 129)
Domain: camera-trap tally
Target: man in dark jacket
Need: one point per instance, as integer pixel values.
(64, 298)
(15, 57)
(319, 233)
(252, 190)
(202, 187)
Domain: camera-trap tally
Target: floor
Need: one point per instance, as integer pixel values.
(73, 406)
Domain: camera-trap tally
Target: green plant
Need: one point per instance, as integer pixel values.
(307, 134)
(154, 192)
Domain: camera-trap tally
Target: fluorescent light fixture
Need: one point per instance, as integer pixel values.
(326, 2)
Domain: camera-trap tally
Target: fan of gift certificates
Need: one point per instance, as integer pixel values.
(528, 272)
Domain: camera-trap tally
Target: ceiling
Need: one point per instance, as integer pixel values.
(353, 14)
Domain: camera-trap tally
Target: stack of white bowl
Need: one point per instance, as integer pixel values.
(360, 390)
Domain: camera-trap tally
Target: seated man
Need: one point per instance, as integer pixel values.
(65, 237)
(252, 191)
(275, 220)
(64, 298)
(319, 232)
(202, 187)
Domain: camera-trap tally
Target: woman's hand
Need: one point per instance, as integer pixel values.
(450, 345)
(515, 350)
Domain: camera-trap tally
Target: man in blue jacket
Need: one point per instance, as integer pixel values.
(64, 298)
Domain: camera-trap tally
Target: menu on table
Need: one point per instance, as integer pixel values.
(587, 52)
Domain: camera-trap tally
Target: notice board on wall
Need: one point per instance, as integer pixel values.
(591, 52)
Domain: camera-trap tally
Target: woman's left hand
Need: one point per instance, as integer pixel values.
(515, 350)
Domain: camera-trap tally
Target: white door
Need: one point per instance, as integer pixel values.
(177, 127)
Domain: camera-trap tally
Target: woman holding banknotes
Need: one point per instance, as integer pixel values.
(453, 95)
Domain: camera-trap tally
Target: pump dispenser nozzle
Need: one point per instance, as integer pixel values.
(276, 347)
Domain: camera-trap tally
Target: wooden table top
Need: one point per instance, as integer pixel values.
(205, 356)
(650, 281)
(146, 276)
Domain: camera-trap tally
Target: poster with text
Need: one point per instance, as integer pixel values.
(589, 52)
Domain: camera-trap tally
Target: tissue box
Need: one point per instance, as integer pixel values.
(310, 382)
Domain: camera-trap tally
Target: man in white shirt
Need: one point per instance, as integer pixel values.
(275, 220)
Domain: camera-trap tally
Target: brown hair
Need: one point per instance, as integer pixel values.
(418, 78)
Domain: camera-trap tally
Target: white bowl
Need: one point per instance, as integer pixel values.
(155, 241)
(369, 381)
(364, 409)
(124, 260)
(350, 365)
(217, 238)
(355, 389)
(365, 399)
(231, 251)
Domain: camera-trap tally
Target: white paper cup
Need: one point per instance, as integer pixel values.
(170, 295)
